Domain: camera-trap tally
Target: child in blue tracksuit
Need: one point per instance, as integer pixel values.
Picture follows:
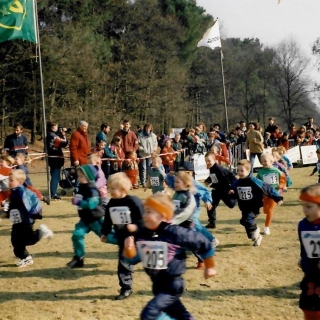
(23, 209)
(249, 192)
(317, 166)
(90, 210)
(309, 234)
(161, 247)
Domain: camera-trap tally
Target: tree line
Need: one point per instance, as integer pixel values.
(105, 61)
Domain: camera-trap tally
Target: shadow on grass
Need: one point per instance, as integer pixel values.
(69, 294)
(61, 216)
(223, 247)
(89, 255)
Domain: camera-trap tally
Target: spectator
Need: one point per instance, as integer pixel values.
(148, 145)
(202, 132)
(268, 143)
(79, 145)
(240, 135)
(301, 136)
(293, 131)
(102, 135)
(128, 137)
(271, 126)
(221, 137)
(309, 138)
(177, 146)
(56, 140)
(276, 136)
(284, 142)
(16, 142)
(243, 127)
(310, 125)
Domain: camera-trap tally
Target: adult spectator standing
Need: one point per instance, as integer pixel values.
(271, 128)
(202, 134)
(102, 135)
(221, 137)
(129, 138)
(243, 126)
(79, 145)
(310, 125)
(16, 142)
(148, 145)
(254, 142)
(56, 140)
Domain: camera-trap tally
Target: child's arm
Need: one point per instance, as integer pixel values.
(205, 194)
(170, 179)
(268, 191)
(282, 181)
(181, 215)
(91, 203)
(313, 171)
(107, 224)
(147, 185)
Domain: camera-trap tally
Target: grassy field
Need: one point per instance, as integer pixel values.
(252, 282)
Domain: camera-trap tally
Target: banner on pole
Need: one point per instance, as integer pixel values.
(211, 38)
(17, 20)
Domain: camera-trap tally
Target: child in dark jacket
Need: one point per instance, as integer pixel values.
(249, 192)
(124, 214)
(23, 209)
(161, 247)
(90, 210)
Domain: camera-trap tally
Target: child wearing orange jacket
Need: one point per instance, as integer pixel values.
(168, 156)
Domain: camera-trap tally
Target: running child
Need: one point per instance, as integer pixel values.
(317, 166)
(220, 181)
(309, 234)
(131, 168)
(282, 152)
(24, 208)
(161, 247)
(157, 176)
(276, 179)
(249, 192)
(124, 213)
(90, 210)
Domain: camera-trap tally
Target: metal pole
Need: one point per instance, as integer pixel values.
(42, 96)
(224, 92)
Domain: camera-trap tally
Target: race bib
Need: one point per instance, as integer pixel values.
(15, 216)
(270, 178)
(176, 204)
(311, 243)
(214, 178)
(154, 181)
(153, 254)
(120, 215)
(244, 193)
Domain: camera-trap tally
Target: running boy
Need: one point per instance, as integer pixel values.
(309, 234)
(124, 213)
(156, 176)
(220, 181)
(276, 179)
(317, 166)
(24, 208)
(249, 192)
(161, 249)
(90, 210)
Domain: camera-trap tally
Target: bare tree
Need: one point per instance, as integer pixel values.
(291, 83)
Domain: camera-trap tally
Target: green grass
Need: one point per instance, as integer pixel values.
(252, 282)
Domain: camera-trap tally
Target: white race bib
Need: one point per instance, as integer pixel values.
(154, 181)
(271, 178)
(214, 178)
(120, 215)
(245, 193)
(153, 254)
(176, 204)
(15, 216)
(311, 243)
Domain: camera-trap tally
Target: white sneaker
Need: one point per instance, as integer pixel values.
(215, 242)
(45, 232)
(255, 234)
(257, 241)
(28, 261)
(266, 230)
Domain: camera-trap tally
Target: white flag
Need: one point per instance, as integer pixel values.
(211, 38)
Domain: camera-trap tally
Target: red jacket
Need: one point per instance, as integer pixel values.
(129, 140)
(169, 156)
(79, 147)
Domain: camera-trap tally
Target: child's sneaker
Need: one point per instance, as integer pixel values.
(200, 265)
(124, 294)
(46, 200)
(76, 262)
(255, 234)
(215, 242)
(266, 230)
(257, 241)
(45, 232)
(28, 261)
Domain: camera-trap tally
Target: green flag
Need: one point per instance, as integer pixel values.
(17, 20)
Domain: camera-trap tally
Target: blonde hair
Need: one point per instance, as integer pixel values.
(8, 159)
(94, 159)
(119, 180)
(210, 154)
(267, 155)
(187, 180)
(312, 190)
(245, 163)
(281, 150)
(18, 175)
(276, 155)
(157, 158)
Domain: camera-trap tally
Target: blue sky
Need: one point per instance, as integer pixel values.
(269, 21)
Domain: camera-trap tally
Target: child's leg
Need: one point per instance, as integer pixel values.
(249, 222)
(19, 240)
(124, 274)
(311, 315)
(228, 201)
(212, 214)
(96, 227)
(80, 231)
(268, 208)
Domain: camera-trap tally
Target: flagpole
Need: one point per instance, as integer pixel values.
(224, 92)
(42, 97)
